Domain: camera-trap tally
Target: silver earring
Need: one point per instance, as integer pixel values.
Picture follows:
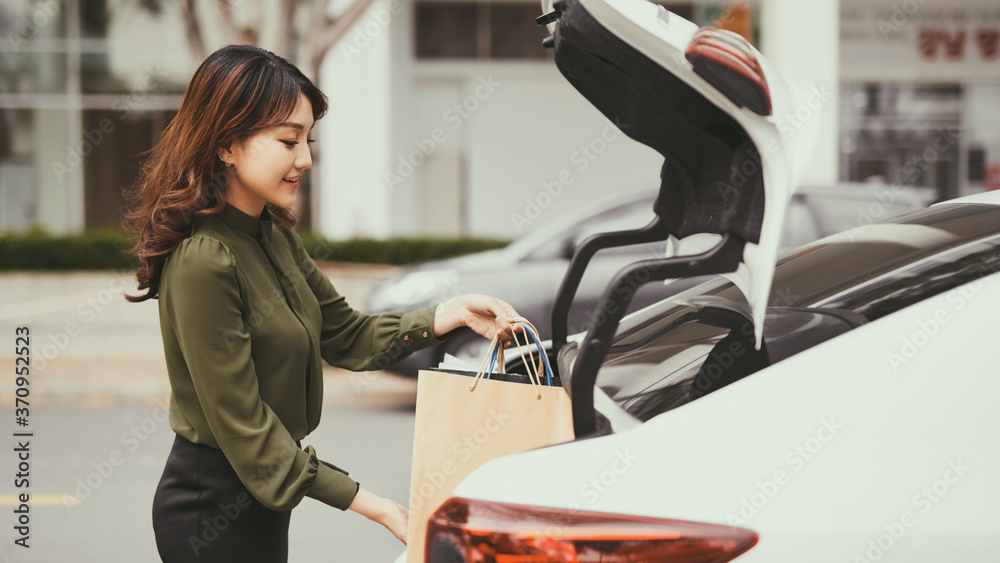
(224, 162)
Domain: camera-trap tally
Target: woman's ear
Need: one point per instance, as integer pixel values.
(226, 155)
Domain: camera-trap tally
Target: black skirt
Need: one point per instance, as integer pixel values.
(203, 513)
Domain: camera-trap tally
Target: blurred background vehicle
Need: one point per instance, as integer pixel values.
(528, 272)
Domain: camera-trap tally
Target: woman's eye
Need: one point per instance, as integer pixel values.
(290, 143)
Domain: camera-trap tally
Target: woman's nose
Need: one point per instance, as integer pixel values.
(304, 159)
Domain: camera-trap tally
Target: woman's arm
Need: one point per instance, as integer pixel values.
(360, 342)
(356, 341)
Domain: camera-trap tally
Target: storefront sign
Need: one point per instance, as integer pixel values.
(920, 40)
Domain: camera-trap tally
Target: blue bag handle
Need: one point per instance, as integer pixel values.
(495, 354)
(530, 329)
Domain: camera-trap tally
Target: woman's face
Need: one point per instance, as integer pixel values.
(267, 167)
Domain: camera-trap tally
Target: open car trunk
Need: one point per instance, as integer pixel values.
(735, 137)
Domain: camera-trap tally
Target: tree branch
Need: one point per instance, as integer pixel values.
(286, 29)
(257, 21)
(339, 27)
(192, 29)
(317, 18)
(234, 34)
(323, 39)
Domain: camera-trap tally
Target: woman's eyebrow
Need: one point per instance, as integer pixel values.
(293, 125)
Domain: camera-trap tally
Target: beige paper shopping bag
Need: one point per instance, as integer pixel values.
(457, 430)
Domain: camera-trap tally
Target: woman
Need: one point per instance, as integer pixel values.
(246, 316)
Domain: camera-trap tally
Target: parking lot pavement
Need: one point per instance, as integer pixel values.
(93, 471)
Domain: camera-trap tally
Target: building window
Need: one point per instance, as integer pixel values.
(902, 134)
(479, 30)
(71, 125)
(513, 32)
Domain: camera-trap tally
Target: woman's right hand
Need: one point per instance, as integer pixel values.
(398, 520)
(387, 512)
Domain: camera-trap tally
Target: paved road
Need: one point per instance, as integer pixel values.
(98, 389)
(111, 458)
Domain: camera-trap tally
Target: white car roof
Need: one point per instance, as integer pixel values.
(989, 198)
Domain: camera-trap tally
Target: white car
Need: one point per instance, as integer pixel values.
(867, 434)
(831, 405)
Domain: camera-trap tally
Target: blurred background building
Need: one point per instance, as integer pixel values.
(448, 117)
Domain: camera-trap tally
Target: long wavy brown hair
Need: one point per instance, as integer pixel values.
(236, 92)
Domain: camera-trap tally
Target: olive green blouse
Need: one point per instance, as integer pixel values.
(246, 317)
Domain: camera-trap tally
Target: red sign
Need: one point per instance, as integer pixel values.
(937, 42)
(992, 180)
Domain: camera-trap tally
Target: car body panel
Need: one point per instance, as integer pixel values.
(857, 434)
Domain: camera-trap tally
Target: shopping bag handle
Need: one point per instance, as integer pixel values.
(532, 332)
(532, 369)
(495, 353)
(496, 358)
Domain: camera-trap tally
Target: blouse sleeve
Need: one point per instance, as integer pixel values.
(359, 342)
(203, 300)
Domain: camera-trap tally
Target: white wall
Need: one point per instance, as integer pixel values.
(538, 148)
(801, 39)
(356, 137)
(515, 130)
(401, 159)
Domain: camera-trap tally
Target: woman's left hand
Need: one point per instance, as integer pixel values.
(485, 315)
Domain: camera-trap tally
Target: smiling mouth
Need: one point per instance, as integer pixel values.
(293, 181)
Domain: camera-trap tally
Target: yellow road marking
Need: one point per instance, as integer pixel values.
(40, 500)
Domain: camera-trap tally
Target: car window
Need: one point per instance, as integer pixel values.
(659, 353)
(558, 242)
(936, 274)
(818, 211)
(828, 267)
(648, 380)
(706, 349)
(627, 218)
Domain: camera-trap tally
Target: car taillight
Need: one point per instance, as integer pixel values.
(471, 531)
(727, 61)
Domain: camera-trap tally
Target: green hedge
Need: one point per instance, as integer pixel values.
(35, 249)
(398, 251)
(104, 249)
